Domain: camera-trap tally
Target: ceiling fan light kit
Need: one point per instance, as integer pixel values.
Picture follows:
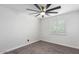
(43, 10)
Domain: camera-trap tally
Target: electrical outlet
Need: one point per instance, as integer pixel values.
(27, 40)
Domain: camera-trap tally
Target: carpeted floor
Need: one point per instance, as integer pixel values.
(42, 47)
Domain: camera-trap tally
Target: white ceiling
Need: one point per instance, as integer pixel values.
(21, 8)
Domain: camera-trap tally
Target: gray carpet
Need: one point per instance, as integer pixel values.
(42, 47)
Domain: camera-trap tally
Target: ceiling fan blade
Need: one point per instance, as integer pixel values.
(37, 15)
(32, 13)
(37, 6)
(32, 10)
(47, 6)
(51, 12)
(58, 7)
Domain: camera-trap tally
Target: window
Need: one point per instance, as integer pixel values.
(58, 27)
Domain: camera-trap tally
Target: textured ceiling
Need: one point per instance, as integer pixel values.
(21, 8)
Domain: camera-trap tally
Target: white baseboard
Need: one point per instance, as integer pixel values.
(18, 47)
(61, 44)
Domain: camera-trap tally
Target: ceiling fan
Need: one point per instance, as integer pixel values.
(43, 10)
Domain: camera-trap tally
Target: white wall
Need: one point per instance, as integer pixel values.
(15, 29)
(71, 38)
